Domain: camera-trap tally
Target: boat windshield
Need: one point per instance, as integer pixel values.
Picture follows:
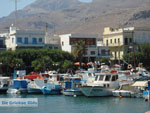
(114, 78)
(126, 87)
(96, 77)
(107, 78)
(101, 77)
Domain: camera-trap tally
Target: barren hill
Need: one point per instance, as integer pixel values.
(72, 16)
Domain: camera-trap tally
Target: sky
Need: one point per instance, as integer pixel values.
(8, 6)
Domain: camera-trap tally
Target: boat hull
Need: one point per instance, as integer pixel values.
(50, 91)
(34, 91)
(3, 90)
(124, 93)
(72, 92)
(92, 91)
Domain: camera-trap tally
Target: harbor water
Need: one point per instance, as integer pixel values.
(80, 104)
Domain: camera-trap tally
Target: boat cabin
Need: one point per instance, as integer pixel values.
(106, 77)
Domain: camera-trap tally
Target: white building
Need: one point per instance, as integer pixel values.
(24, 39)
(52, 42)
(67, 41)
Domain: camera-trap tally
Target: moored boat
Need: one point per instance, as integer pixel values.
(72, 87)
(103, 85)
(5, 83)
(51, 89)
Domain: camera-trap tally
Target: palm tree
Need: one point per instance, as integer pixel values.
(79, 50)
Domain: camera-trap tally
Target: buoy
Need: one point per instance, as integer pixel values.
(120, 96)
(74, 95)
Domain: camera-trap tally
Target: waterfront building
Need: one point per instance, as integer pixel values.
(93, 51)
(17, 39)
(52, 42)
(120, 40)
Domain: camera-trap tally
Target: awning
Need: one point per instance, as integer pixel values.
(78, 63)
(140, 83)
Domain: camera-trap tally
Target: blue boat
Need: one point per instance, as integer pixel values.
(51, 89)
(72, 86)
(19, 86)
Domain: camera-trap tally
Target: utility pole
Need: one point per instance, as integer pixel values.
(119, 51)
(16, 13)
(133, 51)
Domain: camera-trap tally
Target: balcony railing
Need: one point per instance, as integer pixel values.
(30, 44)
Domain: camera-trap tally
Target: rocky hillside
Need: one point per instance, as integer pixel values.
(72, 16)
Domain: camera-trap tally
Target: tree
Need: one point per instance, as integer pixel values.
(67, 65)
(42, 64)
(105, 60)
(129, 58)
(145, 48)
(79, 50)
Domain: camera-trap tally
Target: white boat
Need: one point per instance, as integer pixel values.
(125, 90)
(72, 92)
(103, 85)
(12, 91)
(131, 90)
(34, 87)
(88, 76)
(5, 82)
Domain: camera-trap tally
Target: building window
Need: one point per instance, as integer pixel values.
(130, 40)
(13, 40)
(62, 43)
(1, 43)
(34, 41)
(40, 40)
(126, 41)
(115, 41)
(55, 47)
(19, 40)
(25, 40)
(118, 40)
(106, 42)
(111, 41)
(92, 52)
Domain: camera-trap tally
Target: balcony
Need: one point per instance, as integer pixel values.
(30, 45)
(92, 46)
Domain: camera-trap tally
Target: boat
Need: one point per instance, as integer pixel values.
(51, 89)
(103, 85)
(88, 76)
(5, 83)
(13, 91)
(34, 86)
(125, 90)
(72, 87)
(19, 85)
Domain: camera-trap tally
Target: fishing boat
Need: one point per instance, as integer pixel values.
(103, 85)
(51, 89)
(5, 83)
(34, 86)
(72, 87)
(19, 86)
